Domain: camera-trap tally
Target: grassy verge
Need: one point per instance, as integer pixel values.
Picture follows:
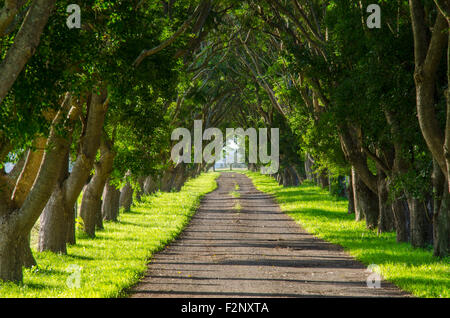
(413, 270)
(116, 259)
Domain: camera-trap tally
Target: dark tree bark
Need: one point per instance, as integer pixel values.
(366, 203)
(110, 205)
(287, 181)
(298, 176)
(359, 213)
(279, 177)
(441, 218)
(419, 224)
(167, 179)
(8, 13)
(400, 213)
(71, 231)
(323, 180)
(28, 258)
(351, 148)
(386, 218)
(428, 52)
(11, 257)
(350, 196)
(180, 177)
(369, 204)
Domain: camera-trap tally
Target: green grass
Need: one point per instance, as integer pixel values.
(413, 270)
(117, 258)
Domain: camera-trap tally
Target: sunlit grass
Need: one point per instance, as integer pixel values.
(413, 270)
(117, 258)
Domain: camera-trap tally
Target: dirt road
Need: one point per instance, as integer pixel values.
(254, 251)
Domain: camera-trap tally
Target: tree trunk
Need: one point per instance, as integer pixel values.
(91, 204)
(167, 180)
(330, 183)
(428, 52)
(401, 220)
(71, 237)
(323, 180)
(110, 206)
(55, 220)
(28, 258)
(366, 203)
(126, 197)
(359, 213)
(280, 177)
(298, 175)
(351, 147)
(180, 177)
(99, 223)
(442, 232)
(53, 235)
(286, 177)
(308, 167)
(16, 223)
(441, 218)
(369, 204)
(11, 256)
(418, 222)
(150, 185)
(141, 192)
(25, 43)
(350, 196)
(386, 219)
(54, 224)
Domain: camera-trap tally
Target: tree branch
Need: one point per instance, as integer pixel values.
(169, 41)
